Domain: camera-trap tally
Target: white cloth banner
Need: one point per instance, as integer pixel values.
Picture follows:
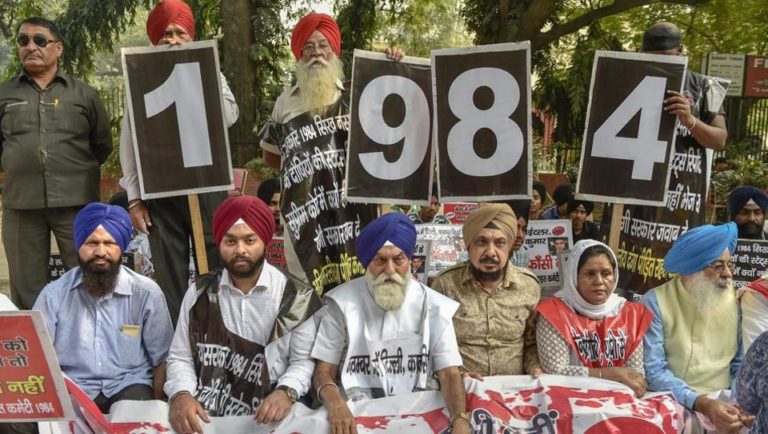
(509, 404)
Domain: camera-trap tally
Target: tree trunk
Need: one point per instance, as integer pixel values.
(240, 70)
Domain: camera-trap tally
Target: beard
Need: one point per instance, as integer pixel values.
(317, 80)
(388, 289)
(710, 295)
(487, 276)
(99, 280)
(243, 272)
(750, 230)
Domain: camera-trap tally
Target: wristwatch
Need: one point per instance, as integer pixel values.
(293, 395)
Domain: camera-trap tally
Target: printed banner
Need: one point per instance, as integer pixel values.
(175, 110)
(276, 254)
(321, 226)
(457, 213)
(31, 385)
(390, 155)
(756, 76)
(629, 138)
(447, 246)
(511, 405)
(544, 242)
(749, 262)
(482, 100)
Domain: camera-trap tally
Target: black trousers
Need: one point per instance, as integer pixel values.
(169, 241)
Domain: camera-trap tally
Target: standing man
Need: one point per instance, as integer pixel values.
(110, 325)
(387, 312)
(306, 140)
(693, 346)
(747, 206)
(167, 220)
(495, 323)
(54, 135)
(245, 333)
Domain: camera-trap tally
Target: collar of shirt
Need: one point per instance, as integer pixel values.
(506, 282)
(123, 285)
(61, 76)
(295, 89)
(261, 284)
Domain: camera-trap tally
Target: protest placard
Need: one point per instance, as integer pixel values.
(544, 241)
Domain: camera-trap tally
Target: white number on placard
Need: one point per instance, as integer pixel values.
(184, 89)
(413, 131)
(509, 136)
(645, 149)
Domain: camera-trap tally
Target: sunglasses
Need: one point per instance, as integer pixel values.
(39, 40)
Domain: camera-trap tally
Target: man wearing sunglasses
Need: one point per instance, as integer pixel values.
(167, 220)
(693, 346)
(54, 135)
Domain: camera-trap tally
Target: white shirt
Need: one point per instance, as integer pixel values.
(332, 333)
(130, 179)
(754, 317)
(250, 316)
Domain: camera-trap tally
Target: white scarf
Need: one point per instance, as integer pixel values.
(570, 295)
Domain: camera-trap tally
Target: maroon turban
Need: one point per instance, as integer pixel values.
(255, 213)
(306, 26)
(169, 12)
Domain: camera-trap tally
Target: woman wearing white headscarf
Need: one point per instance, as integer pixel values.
(588, 330)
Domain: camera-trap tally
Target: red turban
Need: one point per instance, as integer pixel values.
(255, 213)
(306, 26)
(169, 12)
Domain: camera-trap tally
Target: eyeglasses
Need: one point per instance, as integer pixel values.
(311, 47)
(719, 266)
(39, 40)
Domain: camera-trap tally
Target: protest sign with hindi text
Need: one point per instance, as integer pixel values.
(750, 261)
(544, 241)
(31, 384)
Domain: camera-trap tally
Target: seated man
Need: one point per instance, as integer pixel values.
(747, 206)
(754, 310)
(387, 312)
(693, 346)
(110, 325)
(583, 229)
(494, 325)
(562, 194)
(243, 342)
(428, 214)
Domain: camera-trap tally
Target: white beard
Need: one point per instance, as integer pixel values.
(709, 295)
(388, 290)
(317, 81)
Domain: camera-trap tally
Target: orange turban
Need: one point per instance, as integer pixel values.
(306, 26)
(168, 12)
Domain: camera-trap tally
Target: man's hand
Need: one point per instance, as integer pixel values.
(679, 105)
(536, 373)
(394, 53)
(341, 419)
(724, 417)
(628, 377)
(140, 217)
(184, 413)
(274, 407)
(746, 419)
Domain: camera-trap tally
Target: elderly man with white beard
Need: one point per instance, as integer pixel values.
(693, 346)
(305, 139)
(390, 334)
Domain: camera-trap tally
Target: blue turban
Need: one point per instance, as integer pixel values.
(394, 227)
(741, 195)
(699, 247)
(114, 219)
